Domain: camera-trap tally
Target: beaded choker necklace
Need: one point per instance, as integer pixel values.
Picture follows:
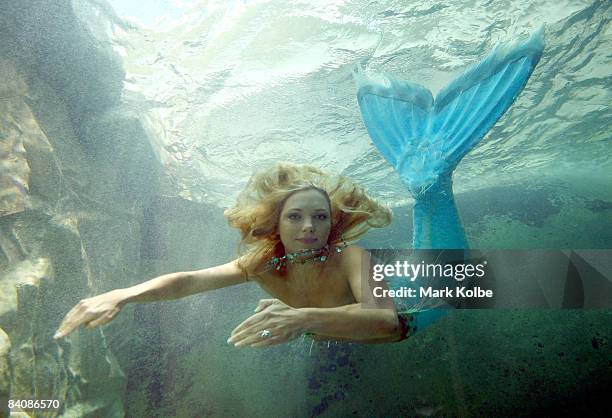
(304, 256)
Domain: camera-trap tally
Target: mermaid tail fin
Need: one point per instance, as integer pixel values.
(424, 139)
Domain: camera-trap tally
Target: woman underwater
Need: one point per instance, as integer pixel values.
(294, 222)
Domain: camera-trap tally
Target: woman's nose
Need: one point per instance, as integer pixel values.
(308, 224)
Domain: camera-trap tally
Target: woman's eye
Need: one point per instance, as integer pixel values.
(293, 216)
(322, 217)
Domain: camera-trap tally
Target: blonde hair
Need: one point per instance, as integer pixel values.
(258, 207)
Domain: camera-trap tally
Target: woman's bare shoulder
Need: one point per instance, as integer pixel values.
(353, 252)
(354, 248)
(351, 256)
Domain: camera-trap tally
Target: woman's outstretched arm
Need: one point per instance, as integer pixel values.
(181, 284)
(100, 309)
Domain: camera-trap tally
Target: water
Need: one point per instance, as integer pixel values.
(231, 81)
(230, 87)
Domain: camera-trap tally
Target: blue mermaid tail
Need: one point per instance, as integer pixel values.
(425, 139)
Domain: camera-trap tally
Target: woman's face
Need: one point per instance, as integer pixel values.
(305, 221)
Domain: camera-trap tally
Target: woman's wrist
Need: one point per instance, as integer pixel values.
(305, 322)
(122, 296)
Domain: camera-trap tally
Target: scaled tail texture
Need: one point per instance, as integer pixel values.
(425, 138)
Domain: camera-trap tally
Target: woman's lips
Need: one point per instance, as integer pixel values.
(307, 240)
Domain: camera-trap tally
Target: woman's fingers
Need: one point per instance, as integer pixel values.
(88, 319)
(103, 319)
(90, 312)
(242, 331)
(272, 315)
(264, 303)
(251, 321)
(257, 337)
(270, 341)
(72, 320)
(251, 325)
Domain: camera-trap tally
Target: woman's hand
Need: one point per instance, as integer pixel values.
(282, 323)
(91, 312)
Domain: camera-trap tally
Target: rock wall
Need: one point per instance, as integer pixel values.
(80, 214)
(77, 173)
